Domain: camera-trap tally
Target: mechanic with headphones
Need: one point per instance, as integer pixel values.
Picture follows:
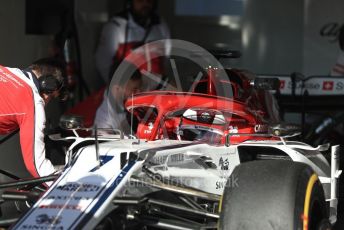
(138, 24)
(23, 95)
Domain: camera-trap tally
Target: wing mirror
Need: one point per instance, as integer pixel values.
(284, 130)
(266, 83)
(70, 122)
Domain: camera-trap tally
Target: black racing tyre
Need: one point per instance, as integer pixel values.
(273, 195)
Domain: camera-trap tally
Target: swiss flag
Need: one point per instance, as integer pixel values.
(328, 85)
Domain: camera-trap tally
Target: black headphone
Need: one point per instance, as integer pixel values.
(46, 83)
(49, 84)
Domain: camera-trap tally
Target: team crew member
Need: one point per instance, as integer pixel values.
(23, 95)
(111, 114)
(128, 30)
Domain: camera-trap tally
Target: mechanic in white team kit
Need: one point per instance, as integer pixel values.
(111, 113)
(137, 25)
(23, 95)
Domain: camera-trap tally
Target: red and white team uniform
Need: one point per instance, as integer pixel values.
(122, 34)
(119, 38)
(21, 106)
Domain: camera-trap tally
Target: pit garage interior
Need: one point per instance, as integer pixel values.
(293, 40)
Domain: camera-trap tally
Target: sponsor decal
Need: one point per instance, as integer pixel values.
(314, 86)
(45, 221)
(339, 86)
(224, 163)
(159, 159)
(220, 184)
(328, 85)
(173, 158)
(260, 128)
(6, 74)
(60, 206)
(2, 79)
(75, 187)
(179, 157)
(233, 129)
(71, 198)
(40, 227)
(307, 85)
(231, 182)
(149, 129)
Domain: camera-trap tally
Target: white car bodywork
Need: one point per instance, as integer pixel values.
(84, 192)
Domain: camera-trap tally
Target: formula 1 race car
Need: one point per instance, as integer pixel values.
(200, 160)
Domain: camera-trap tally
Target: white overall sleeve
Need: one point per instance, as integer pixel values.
(107, 49)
